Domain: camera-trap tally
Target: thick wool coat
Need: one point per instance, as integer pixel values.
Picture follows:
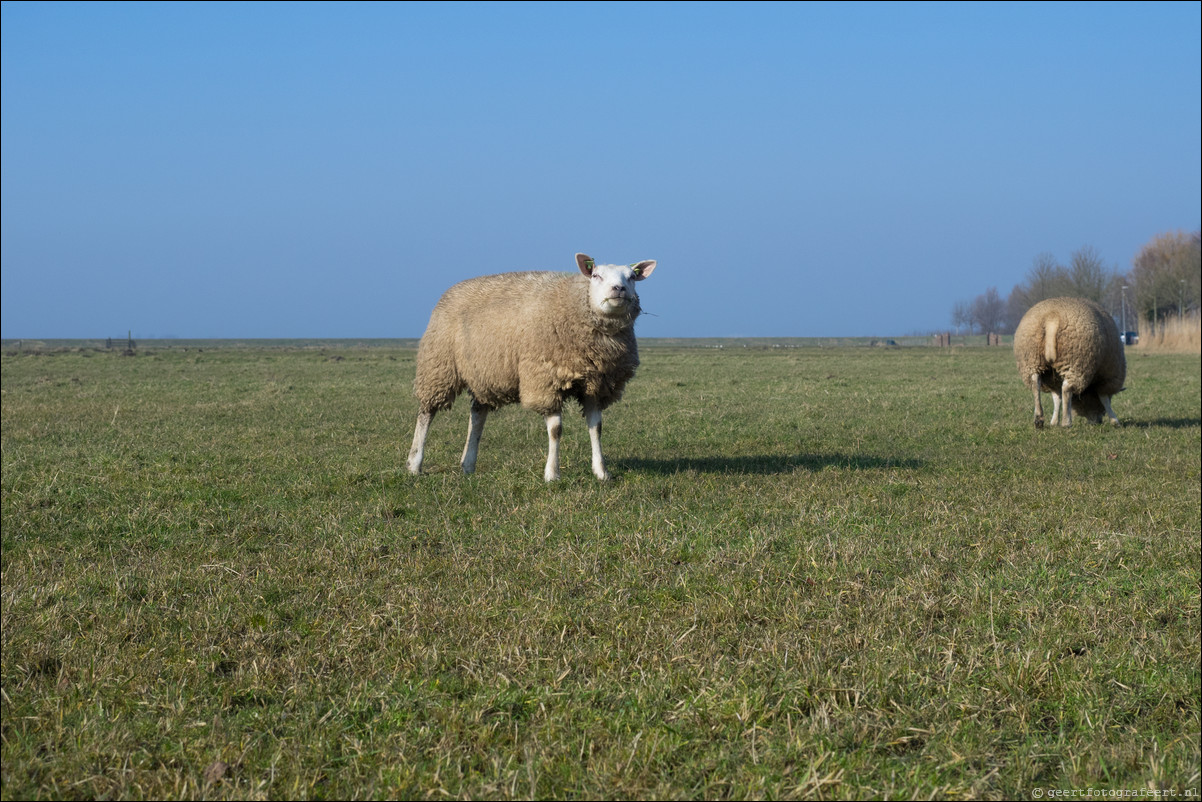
(529, 338)
(1071, 340)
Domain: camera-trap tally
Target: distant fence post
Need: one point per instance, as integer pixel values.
(130, 345)
(943, 340)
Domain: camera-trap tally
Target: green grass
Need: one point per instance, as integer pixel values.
(818, 572)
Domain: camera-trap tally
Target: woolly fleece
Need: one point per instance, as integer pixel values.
(1073, 341)
(528, 337)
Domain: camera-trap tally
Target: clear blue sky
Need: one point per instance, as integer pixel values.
(327, 170)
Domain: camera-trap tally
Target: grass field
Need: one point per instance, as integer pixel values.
(828, 573)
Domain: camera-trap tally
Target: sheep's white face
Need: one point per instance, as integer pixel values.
(611, 287)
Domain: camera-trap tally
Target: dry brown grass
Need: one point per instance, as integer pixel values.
(818, 573)
(1178, 335)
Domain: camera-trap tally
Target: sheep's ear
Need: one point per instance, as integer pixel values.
(585, 263)
(642, 269)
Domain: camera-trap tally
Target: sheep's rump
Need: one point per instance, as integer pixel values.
(1070, 339)
(528, 338)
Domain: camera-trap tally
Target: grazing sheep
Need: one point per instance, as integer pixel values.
(535, 338)
(1071, 348)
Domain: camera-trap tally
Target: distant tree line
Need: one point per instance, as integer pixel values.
(1165, 280)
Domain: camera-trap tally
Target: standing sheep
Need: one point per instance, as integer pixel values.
(1071, 348)
(535, 338)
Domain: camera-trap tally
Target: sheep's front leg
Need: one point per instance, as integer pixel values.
(475, 429)
(417, 451)
(592, 416)
(554, 431)
(1114, 419)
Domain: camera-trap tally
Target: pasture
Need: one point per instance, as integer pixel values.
(828, 573)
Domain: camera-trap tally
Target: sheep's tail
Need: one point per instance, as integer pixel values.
(1050, 328)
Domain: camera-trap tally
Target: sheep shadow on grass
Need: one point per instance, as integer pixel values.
(1164, 423)
(765, 464)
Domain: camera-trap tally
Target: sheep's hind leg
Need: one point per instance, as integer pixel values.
(475, 429)
(417, 451)
(1055, 408)
(554, 432)
(1038, 402)
(592, 416)
(1066, 406)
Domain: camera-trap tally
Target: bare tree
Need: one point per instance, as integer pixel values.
(1085, 277)
(962, 316)
(1016, 307)
(1088, 276)
(1167, 275)
(989, 311)
(1047, 278)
